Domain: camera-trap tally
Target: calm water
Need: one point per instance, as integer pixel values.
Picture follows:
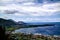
(48, 30)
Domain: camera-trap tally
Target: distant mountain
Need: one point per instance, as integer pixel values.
(5, 22)
(21, 24)
(11, 23)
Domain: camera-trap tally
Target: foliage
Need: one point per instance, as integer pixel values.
(22, 36)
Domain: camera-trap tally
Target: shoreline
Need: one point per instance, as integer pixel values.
(39, 34)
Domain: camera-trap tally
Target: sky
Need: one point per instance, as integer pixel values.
(30, 10)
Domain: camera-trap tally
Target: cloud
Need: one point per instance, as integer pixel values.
(10, 12)
(4, 2)
(30, 10)
(47, 1)
(42, 10)
(26, 1)
(42, 20)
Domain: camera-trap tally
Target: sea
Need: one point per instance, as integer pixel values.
(47, 30)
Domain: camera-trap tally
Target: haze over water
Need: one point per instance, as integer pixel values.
(47, 30)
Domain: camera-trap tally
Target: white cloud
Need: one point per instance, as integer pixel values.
(28, 3)
(45, 9)
(41, 19)
(31, 9)
(19, 14)
(24, 0)
(4, 2)
(14, 1)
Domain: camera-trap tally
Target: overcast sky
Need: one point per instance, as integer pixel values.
(30, 10)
